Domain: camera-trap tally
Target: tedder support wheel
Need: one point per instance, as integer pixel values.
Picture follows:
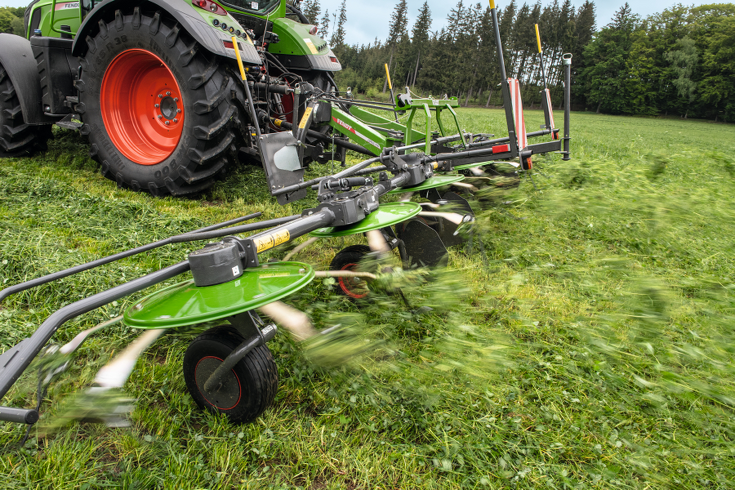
(246, 391)
(156, 106)
(16, 137)
(349, 259)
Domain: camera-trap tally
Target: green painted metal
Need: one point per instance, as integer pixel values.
(186, 304)
(74, 10)
(409, 127)
(294, 39)
(55, 13)
(52, 19)
(382, 122)
(386, 215)
(431, 183)
(456, 121)
(358, 131)
(266, 9)
(428, 105)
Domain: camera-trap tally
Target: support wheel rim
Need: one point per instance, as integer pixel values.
(228, 393)
(349, 260)
(354, 287)
(142, 107)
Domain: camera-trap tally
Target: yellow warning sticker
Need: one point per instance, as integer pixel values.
(305, 119)
(311, 46)
(263, 243)
(280, 237)
(276, 274)
(267, 242)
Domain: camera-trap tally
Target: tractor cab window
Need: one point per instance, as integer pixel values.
(259, 6)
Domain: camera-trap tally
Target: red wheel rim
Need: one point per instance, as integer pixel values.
(346, 282)
(237, 378)
(142, 107)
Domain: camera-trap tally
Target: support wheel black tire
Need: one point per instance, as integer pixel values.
(246, 391)
(16, 137)
(349, 259)
(121, 100)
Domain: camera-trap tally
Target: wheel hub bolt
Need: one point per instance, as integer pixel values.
(160, 116)
(176, 99)
(167, 123)
(175, 120)
(160, 96)
(178, 111)
(168, 93)
(157, 106)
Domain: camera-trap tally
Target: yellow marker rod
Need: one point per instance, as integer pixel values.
(239, 58)
(492, 4)
(387, 73)
(538, 39)
(392, 95)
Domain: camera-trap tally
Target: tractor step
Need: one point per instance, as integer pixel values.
(71, 121)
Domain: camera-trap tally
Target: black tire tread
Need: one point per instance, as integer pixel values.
(206, 82)
(16, 137)
(259, 362)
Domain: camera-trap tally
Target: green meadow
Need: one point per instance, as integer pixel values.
(585, 339)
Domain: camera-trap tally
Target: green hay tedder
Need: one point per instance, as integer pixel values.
(171, 92)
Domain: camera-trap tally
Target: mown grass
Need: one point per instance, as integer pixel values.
(589, 346)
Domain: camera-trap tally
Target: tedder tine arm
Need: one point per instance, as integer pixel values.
(18, 358)
(291, 319)
(77, 341)
(115, 373)
(377, 242)
(455, 218)
(122, 255)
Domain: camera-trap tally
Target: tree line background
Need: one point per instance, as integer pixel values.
(677, 62)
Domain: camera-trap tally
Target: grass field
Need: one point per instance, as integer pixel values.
(590, 346)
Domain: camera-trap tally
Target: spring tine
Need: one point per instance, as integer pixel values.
(291, 319)
(115, 373)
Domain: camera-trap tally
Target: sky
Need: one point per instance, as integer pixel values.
(367, 20)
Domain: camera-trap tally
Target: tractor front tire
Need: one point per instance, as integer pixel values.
(16, 137)
(156, 106)
(246, 391)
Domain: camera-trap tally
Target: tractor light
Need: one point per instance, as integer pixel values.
(333, 59)
(231, 45)
(210, 6)
(313, 30)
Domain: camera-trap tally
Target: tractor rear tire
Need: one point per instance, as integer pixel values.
(16, 137)
(156, 106)
(246, 391)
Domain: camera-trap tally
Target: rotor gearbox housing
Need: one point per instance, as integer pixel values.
(216, 263)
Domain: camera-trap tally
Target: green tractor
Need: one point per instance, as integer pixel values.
(155, 84)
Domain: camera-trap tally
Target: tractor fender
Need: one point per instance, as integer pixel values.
(183, 12)
(17, 59)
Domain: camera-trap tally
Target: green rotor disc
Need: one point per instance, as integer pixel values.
(186, 304)
(385, 215)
